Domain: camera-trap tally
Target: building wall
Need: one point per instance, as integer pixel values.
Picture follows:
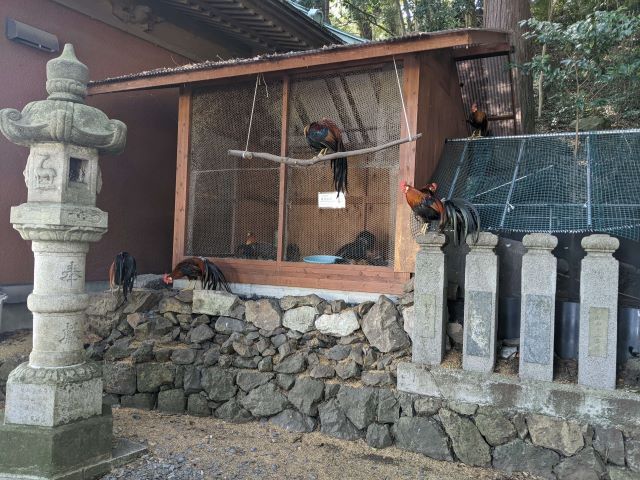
(138, 191)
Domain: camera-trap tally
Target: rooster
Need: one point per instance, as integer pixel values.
(325, 135)
(199, 267)
(457, 213)
(478, 120)
(359, 249)
(122, 273)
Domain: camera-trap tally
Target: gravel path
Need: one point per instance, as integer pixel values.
(184, 448)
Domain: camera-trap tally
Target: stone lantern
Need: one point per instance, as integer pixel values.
(53, 424)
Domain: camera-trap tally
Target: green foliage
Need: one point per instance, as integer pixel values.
(433, 15)
(592, 66)
(592, 57)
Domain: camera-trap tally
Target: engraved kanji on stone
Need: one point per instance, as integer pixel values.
(67, 333)
(71, 273)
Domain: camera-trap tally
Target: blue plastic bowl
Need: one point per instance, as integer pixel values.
(321, 259)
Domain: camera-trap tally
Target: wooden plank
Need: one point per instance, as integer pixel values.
(433, 41)
(182, 172)
(284, 147)
(403, 238)
(481, 51)
(358, 278)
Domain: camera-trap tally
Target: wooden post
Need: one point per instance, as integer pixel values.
(405, 247)
(431, 90)
(282, 194)
(182, 171)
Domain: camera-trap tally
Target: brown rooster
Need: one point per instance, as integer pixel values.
(199, 267)
(122, 273)
(478, 120)
(325, 135)
(457, 213)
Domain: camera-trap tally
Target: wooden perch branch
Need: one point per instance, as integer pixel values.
(323, 158)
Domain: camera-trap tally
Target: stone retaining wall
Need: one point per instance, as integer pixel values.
(307, 364)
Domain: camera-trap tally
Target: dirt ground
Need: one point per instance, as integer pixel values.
(184, 447)
(15, 344)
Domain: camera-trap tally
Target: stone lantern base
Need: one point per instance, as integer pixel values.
(79, 450)
(48, 397)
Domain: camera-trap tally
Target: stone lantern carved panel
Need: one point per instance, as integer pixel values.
(63, 173)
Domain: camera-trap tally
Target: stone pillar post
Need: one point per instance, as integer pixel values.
(429, 328)
(538, 307)
(54, 402)
(598, 312)
(480, 304)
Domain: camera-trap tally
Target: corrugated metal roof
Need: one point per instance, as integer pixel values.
(213, 65)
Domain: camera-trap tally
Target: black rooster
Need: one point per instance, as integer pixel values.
(199, 267)
(122, 273)
(325, 135)
(359, 249)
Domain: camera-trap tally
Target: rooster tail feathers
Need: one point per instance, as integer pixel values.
(123, 272)
(212, 277)
(340, 172)
(463, 218)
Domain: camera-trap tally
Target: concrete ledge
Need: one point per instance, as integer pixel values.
(617, 408)
(123, 452)
(126, 451)
(276, 291)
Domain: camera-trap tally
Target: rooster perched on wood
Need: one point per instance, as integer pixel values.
(199, 267)
(122, 273)
(457, 213)
(325, 135)
(478, 120)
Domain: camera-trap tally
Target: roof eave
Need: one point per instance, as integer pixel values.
(296, 60)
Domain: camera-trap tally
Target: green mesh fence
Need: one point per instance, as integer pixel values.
(541, 183)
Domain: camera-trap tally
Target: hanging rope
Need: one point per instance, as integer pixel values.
(253, 107)
(324, 158)
(404, 108)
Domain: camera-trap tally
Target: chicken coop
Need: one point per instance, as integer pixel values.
(269, 223)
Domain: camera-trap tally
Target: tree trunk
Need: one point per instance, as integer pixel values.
(401, 18)
(505, 15)
(541, 76)
(407, 12)
(325, 10)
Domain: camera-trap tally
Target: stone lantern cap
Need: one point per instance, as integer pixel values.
(63, 116)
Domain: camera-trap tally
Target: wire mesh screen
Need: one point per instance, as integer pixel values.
(232, 206)
(542, 183)
(366, 105)
(486, 81)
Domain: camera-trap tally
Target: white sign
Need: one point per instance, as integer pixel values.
(331, 200)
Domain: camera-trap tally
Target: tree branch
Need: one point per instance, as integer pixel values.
(323, 158)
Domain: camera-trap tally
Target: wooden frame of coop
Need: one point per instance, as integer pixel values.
(434, 107)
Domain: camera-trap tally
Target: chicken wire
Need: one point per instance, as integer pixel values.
(540, 183)
(234, 201)
(366, 105)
